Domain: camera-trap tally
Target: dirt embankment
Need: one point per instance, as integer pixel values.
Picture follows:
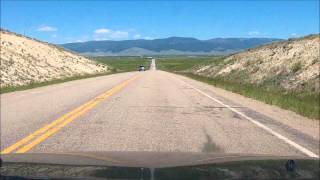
(292, 65)
(25, 60)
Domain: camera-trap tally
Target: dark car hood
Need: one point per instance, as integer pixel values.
(136, 159)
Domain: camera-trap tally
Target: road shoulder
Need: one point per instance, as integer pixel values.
(286, 117)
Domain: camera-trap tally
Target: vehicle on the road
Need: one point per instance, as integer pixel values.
(156, 165)
(141, 68)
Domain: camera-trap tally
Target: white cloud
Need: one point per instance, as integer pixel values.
(293, 34)
(137, 36)
(148, 38)
(102, 31)
(119, 35)
(108, 34)
(54, 36)
(45, 28)
(254, 33)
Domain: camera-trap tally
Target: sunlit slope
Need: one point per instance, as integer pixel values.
(25, 60)
(291, 65)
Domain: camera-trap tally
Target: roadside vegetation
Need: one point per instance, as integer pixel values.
(123, 63)
(32, 85)
(303, 103)
(179, 64)
(115, 64)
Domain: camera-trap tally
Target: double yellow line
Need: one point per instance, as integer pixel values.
(43, 133)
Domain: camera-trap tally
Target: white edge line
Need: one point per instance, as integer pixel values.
(285, 139)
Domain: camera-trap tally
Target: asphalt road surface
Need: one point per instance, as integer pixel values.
(141, 111)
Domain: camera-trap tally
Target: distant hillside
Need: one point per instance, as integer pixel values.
(167, 46)
(292, 65)
(25, 60)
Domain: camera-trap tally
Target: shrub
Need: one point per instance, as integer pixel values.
(296, 67)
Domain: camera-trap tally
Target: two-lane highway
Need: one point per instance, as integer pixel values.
(141, 111)
(153, 65)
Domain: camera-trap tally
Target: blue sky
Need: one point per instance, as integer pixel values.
(71, 21)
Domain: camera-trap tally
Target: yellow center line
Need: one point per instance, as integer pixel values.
(38, 132)
(54, 130)
(50, 129)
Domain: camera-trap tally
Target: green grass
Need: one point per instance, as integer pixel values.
(174, 64)
(46, 83)
(124, 64)
(306, 104)
(296, 67)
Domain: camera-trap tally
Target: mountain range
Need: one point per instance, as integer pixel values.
(166, 46)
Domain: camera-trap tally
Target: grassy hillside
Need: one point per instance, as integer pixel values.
(28, 63)
(306, 104)
(291, 65)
